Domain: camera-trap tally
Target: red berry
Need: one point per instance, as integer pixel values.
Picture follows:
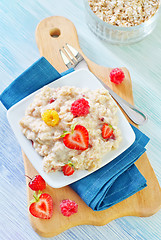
(52, 100)
(68, 207)
(37, 183)
(107, 131)
(42, 207)
(102, 119)
(78, 139)
(113, 137)
(68, 169)
(80, 107)
(117, 75)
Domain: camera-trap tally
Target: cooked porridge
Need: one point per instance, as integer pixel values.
(48, 139)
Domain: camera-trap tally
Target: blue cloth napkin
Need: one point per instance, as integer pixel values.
(117, 180)
(107, 186)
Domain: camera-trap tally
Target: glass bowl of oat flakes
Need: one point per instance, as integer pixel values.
(122, 21)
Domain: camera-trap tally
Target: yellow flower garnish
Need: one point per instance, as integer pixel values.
(50, 117)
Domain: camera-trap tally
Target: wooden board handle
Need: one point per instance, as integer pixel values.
(64, 32)
(51, 35)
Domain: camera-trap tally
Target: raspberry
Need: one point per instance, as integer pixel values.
(68, 207)
(80, 107)
(117, 75)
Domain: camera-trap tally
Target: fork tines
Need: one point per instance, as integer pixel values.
(70, 56)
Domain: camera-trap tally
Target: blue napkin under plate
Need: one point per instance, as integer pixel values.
(112, 183)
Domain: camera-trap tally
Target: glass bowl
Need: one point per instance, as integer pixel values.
(116, 34)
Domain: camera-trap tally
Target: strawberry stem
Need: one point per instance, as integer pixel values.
(70, 163)
(35, 196)
(73, 126)
(28, 177)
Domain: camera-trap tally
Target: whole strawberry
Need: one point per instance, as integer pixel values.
(37, 183)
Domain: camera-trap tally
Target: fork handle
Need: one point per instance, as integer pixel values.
(134, 113)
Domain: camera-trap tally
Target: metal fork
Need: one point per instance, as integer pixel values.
(73, 59)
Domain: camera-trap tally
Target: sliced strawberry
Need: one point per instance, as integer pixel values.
(68, 169)
(78, 139)
(107, 131)
(42, 207)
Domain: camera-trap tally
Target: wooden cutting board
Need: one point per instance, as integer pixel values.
(51, 34)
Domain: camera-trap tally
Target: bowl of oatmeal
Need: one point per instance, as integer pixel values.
(42, 139)
(122, 22)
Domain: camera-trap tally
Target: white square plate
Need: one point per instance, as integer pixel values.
(83, 79)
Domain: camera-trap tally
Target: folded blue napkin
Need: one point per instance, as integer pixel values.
(107, 186)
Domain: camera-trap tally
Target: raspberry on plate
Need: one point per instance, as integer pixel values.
(117, 75)
(68, 207)
(80, 107)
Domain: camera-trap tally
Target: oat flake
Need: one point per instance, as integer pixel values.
(124, 13)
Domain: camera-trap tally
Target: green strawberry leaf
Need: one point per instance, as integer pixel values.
(73, 126)
(36, 197)
(65, 133)
(70, 163)
(111, 126)
(32, 201)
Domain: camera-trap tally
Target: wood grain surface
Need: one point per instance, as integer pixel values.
(142, 204)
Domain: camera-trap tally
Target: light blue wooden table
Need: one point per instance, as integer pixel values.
(18, 50)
